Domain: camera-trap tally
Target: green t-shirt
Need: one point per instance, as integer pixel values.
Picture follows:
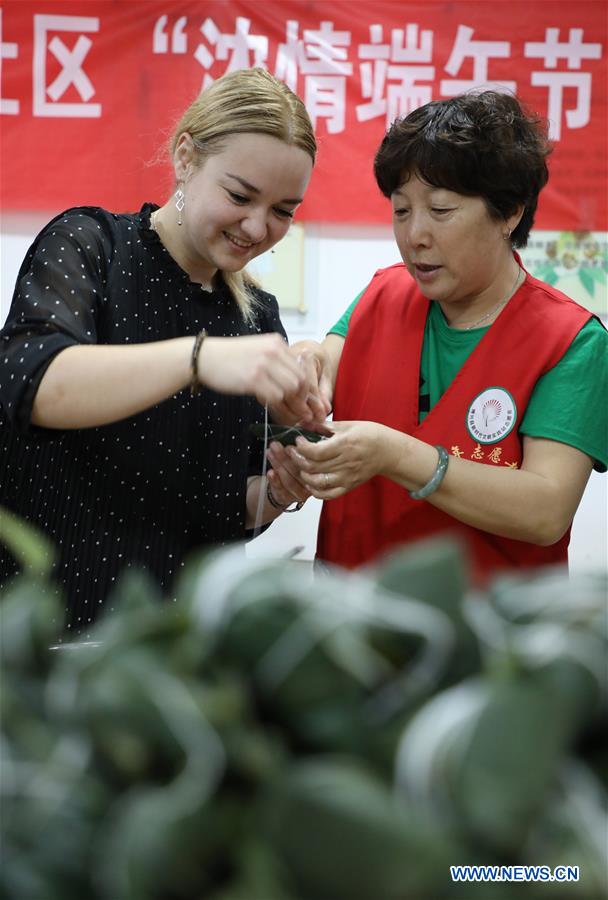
(568, 403)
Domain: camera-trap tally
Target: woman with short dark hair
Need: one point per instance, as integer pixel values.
(469, 396)
(480, 145)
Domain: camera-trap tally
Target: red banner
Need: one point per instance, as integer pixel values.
(90, 91)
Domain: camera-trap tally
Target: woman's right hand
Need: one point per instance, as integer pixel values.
(320, 363)
(311, 405)
(261, 365)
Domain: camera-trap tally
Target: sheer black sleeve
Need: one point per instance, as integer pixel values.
(57, 298)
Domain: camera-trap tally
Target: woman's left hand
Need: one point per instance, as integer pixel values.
(356, 452)
(284, 480)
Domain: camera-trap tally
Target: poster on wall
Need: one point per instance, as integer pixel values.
(90, 91)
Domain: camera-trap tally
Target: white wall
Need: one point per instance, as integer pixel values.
(338, 263)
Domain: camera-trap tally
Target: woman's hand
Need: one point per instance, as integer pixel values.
(312, 403)
(284, 479)
(356, 452)
(535, 503)
(90, 385)
(284, 483)
(261, 365)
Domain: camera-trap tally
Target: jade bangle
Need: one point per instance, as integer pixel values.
(436, 478)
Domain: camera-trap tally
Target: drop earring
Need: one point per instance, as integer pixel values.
(180, 201)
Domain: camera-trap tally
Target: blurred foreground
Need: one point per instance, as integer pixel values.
(270, 738)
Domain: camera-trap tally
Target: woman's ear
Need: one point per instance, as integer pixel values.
(515, 218)
(183, 156)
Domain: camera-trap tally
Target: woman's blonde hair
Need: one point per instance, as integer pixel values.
(248, 101)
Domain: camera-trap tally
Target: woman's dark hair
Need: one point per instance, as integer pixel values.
(484, 145)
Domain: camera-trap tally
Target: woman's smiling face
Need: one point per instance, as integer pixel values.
(450, 244)
(239, 202)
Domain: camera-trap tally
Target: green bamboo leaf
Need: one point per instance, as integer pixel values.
(286, 435)
(32, 549)
(337, 831)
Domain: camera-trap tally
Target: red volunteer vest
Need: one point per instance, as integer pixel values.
(477, 418)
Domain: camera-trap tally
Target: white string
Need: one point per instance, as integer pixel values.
(262, 490)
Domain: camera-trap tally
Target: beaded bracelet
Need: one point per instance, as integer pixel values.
(436, 478)
(195, 382)
(298, 503)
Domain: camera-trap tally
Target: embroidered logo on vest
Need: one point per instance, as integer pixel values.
(491, 415)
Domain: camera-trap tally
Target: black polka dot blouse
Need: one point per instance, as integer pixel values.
(145, 491)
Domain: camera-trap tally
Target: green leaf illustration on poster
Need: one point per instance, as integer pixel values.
(574, 262)
(587, 281)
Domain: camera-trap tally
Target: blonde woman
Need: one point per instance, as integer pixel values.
(138, 351)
